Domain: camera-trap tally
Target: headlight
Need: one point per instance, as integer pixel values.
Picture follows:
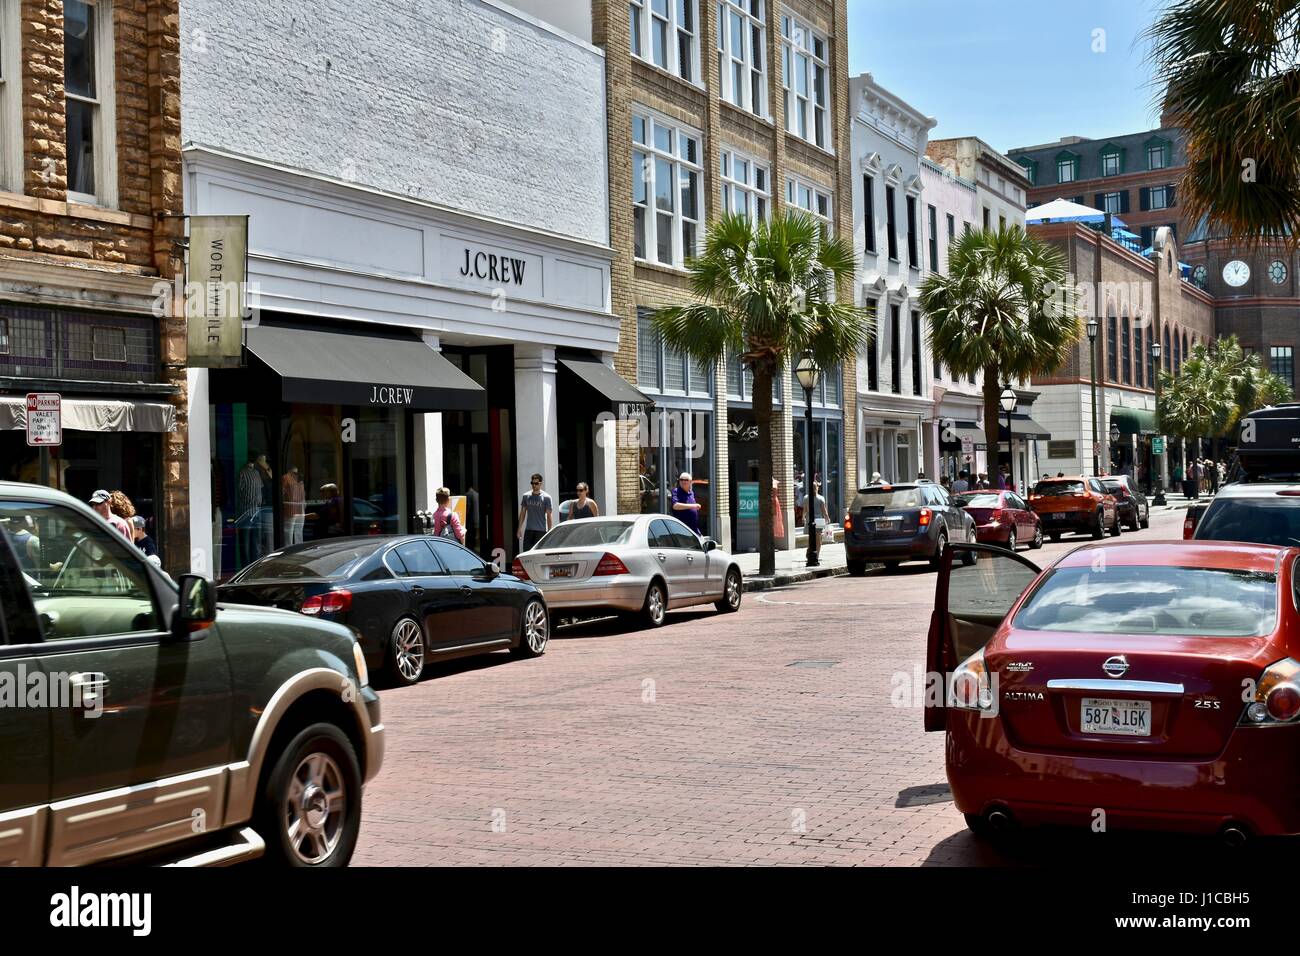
(358, 658)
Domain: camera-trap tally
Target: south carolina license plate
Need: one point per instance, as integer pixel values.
(562, 570)
(1124, 718)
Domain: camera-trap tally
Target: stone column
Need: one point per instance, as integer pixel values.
(535, 421)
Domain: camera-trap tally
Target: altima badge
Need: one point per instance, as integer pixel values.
(1116, 666)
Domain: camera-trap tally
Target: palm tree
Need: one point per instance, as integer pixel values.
(1229, 70)
(1003, 309)
(766, 292)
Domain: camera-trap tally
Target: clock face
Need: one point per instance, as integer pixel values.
(1277, 271)
(1236, 273)
(1198, 275)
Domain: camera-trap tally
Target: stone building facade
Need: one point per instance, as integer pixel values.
(739, 105)
(90, 222)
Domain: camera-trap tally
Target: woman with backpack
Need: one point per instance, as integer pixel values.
(446, 523)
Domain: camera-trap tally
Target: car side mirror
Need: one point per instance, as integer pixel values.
(197, 607)
(710, 545)
(491, 571)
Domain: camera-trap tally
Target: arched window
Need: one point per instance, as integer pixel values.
(1178, 353)
(1186, 354)
(1166, 356)
(1126, 360)
(1139, 356)
(1112, 348)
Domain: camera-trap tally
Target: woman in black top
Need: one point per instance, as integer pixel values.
(582, 506)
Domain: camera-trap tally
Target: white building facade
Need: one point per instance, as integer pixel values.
(895, 397)
(429, 260)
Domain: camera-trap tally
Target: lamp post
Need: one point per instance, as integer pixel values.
(1114, 440)
(808, 373)
(1092, 361)
(1008, 400)
(1159, 476)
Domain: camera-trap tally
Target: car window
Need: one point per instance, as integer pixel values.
(456, 559)
(1261, 520)
(417, 559)
(1106, 599)
(84, 578)
(1058, 487)
(588, 533)
(684, 537)
(328, 559)
(975, 500)
(886, 499)
(660, 535)
(1115, 488)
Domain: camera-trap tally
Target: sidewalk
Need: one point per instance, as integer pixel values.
(791, 567)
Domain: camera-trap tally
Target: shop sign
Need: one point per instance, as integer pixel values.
(495, 269)
(216, 277)
(1158, 445)
(747, 516)
(1061, 449)
(44, 418)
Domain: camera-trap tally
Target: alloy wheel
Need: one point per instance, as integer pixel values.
(733, 589)
(408, 650)
(314, 808)
(1011, 540)
(655, 604)
(536, 627)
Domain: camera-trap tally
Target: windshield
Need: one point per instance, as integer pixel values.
(329, 560)
(1058, 488)
(588, 533)
(1261, 520)
(887, 499)
(1153, 600)
(977, 501)
(1115, 487)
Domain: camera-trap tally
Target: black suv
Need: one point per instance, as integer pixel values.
(908, 522)
(1134, 510)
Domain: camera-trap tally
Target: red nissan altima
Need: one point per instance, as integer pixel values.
(1151, 685)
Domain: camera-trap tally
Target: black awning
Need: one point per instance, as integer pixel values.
(951, 436)
(1024, 428)
(606, 381)
(337, 368)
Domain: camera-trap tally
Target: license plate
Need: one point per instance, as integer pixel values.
(1124, 718)
(1055, 516)
(886, 524)
(562, 571)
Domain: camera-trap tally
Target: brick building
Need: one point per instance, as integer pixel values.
(1136, 301)
(90, 223)
(738, 105)
(1134, 176)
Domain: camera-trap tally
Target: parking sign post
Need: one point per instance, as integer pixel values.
(44, 426)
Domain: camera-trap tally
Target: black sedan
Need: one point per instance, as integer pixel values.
(411, 598)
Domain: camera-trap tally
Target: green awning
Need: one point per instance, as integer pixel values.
(1133, 421)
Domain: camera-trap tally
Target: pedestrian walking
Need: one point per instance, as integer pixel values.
(581, 506)
(820, 517)
(293, 494)
(962, 483)
(685, 507)
(1194, 479)
(446, 523)
(140, 535)
(101, 501)
(535, 515)
(778, 513)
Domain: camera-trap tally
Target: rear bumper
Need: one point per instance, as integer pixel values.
(1252, 781)
(988, 534)
(612, 593)
(1072, 520)
(891, 549)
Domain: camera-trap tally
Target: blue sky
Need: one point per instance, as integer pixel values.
(1013, 72)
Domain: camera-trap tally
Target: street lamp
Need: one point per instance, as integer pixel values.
(808, 373)
(1159, 477)
(1114, 441)
(1008, 400)
(1093, 325)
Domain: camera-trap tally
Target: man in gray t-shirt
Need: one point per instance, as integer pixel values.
(535, 515)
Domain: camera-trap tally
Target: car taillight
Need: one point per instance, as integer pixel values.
(610, 564)
(997, 515)
(1277, 694)
(925, 517)
(1189, 528)
(848, 522)
(331, 602)
(517, 569)
(969, 689)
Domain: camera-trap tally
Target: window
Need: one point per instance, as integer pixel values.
(873, 351)
(1281, 363)
(869, 211)
(1111, 164)
(952, 228)
(4, 336)
(1126, 360)
(1112, 348)
(88, 84)
(1159, 197)
(913, 260)
(1157, 156)
(805, 78)
(745, 186)
(1031, 170)
(108, 344)
(668, 33)
(71, 562)
(811, 199)
(934, 237)
(742, 47)
(1138, 353)
(986, 218)
(414, 559)
(1166, 356)
(917, 373)
(11, 98)
(455, 559)
(1002, 223)
(660, 369)
(665, 166)
(1067, 169)
(891, 226)
(895, 351)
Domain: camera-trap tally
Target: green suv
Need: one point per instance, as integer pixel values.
(141, 722)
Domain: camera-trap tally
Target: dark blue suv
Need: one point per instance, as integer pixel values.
(908, 522)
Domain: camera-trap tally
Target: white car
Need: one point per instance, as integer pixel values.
(631, 564)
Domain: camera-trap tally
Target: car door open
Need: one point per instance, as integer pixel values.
(970, 603)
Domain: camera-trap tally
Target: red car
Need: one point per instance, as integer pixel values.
(1140, 685)
(1001, 517)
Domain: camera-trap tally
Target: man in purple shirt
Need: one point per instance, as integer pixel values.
(685, 507)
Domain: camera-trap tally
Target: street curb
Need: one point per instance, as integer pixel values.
(756, 583)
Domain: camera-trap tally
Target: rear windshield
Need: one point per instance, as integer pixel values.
(1200, 602)
(1058, 487)
(1115, 487)
(1261, 520)
(976, 501)
(588, 533)
(331, 560)
(887, 499)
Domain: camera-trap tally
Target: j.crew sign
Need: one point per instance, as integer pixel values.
(490, 268)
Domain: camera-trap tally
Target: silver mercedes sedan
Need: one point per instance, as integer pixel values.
(632, 564)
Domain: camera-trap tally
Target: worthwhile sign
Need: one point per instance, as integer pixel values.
(215, 280)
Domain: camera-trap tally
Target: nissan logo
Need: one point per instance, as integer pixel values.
(1116, 666)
